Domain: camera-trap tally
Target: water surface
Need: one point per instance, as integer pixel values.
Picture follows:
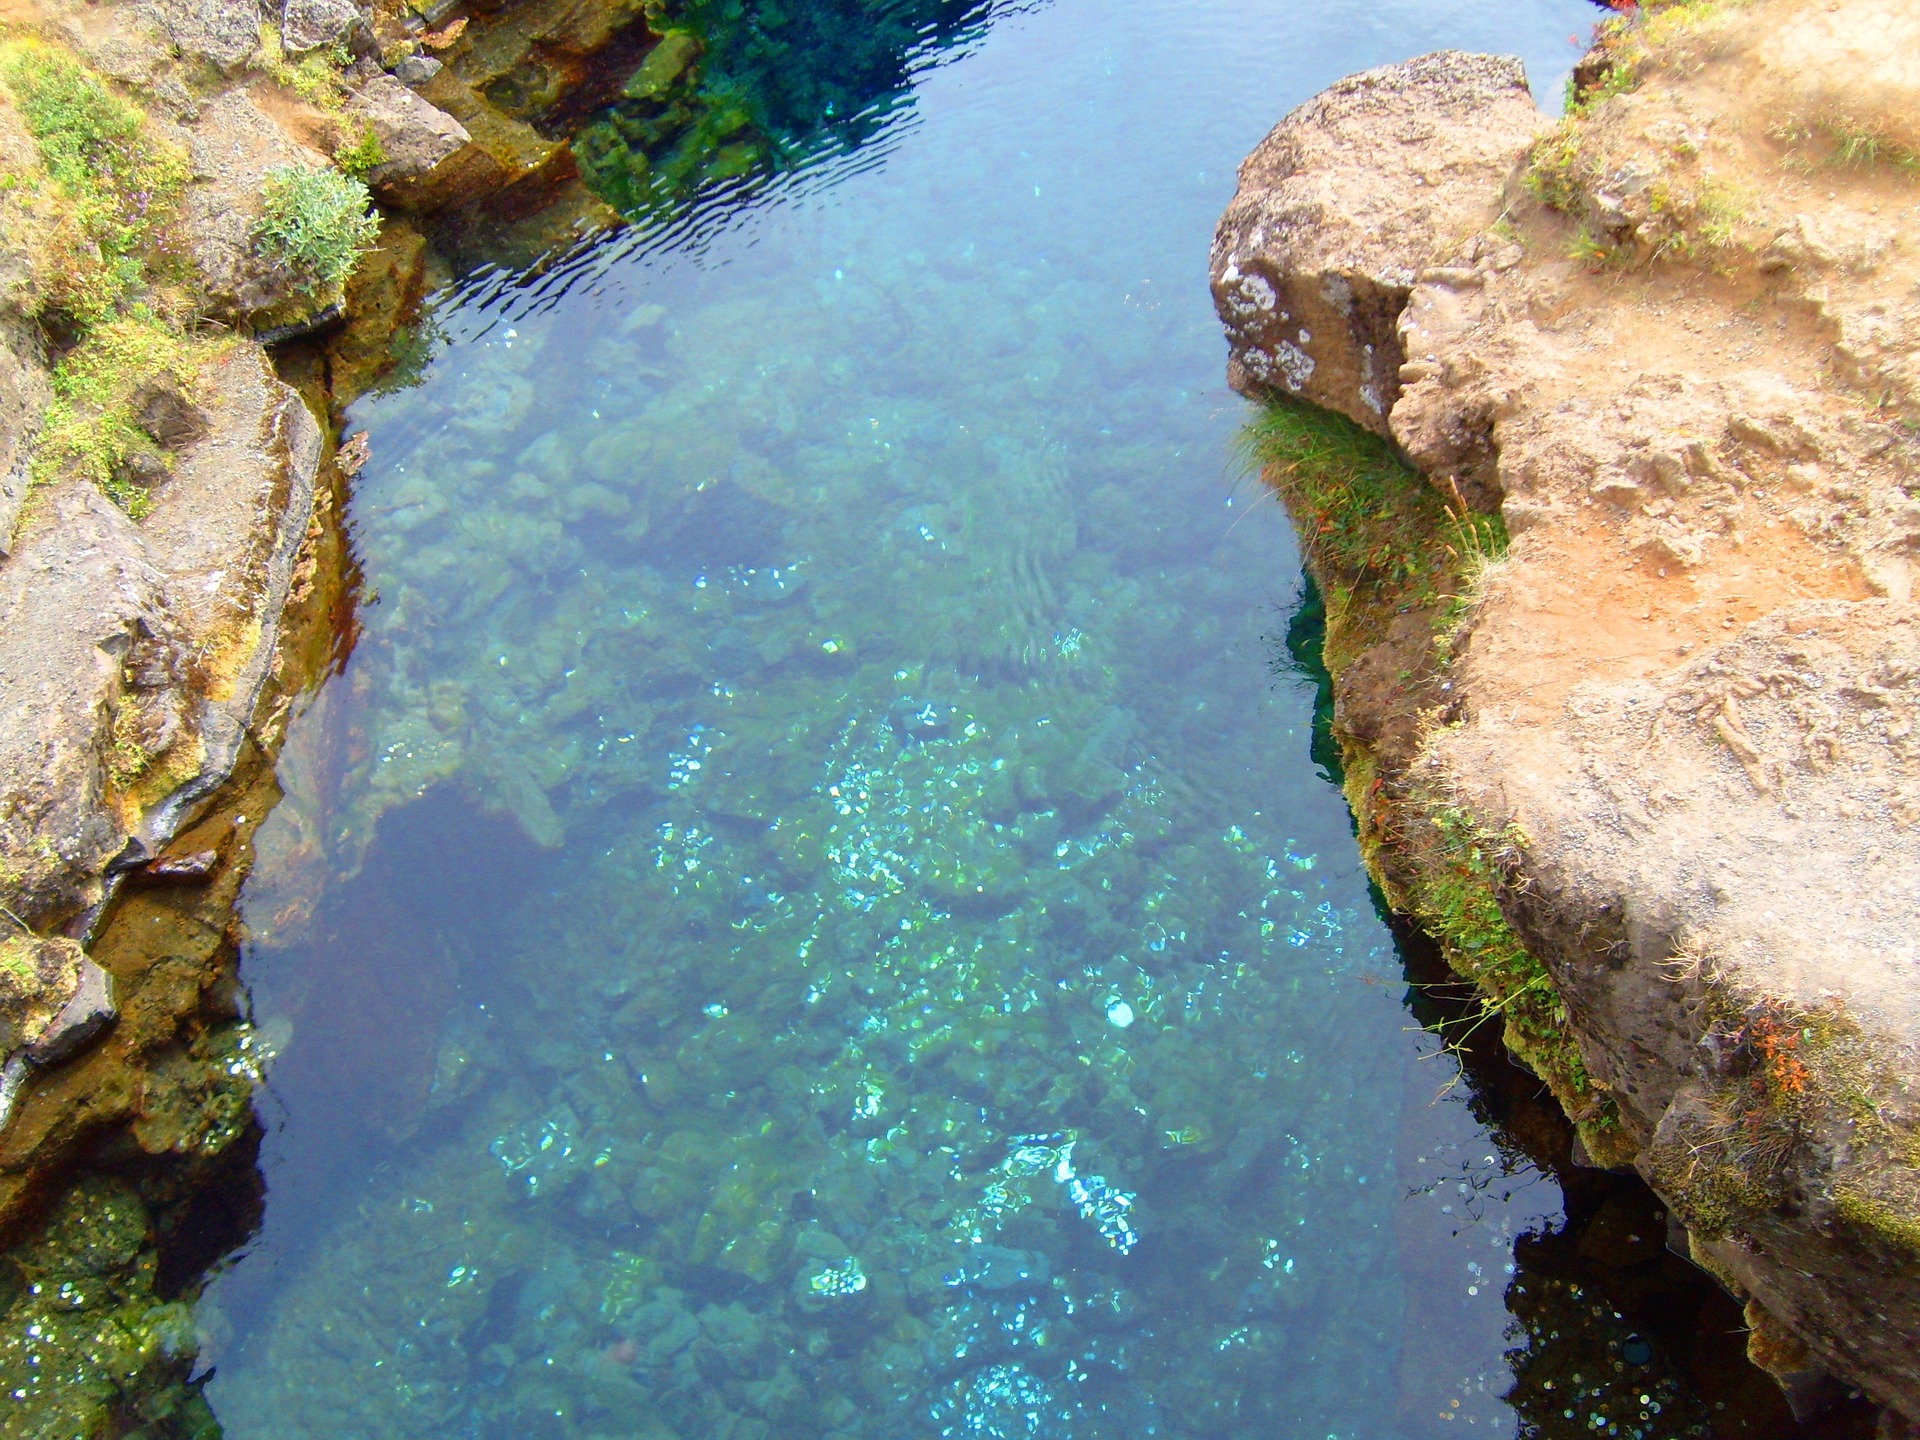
(809, 910)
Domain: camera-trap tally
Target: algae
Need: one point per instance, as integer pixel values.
(1382, 543)
(88, 1348)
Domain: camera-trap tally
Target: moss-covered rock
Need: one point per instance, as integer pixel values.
(87, 1347)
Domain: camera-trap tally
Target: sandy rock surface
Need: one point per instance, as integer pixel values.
(1309, 264)
(1682, 364)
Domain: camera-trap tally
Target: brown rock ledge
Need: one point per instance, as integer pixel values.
(1671, 341)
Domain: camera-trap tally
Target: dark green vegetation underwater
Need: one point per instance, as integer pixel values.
(735, 87)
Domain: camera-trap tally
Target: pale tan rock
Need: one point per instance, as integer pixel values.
(1689, 695)
(1343, 204)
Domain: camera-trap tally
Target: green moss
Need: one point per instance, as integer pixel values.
(1715, 1195)
(1893, 1227)
(92, 428)
(1382, 542)
(316, 223)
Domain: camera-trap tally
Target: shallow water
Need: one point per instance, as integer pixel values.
(809, 910)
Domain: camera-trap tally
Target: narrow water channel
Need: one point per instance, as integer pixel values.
(809, 910)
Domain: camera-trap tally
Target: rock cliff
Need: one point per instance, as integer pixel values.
(1668, 346)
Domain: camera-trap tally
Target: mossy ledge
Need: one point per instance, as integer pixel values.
(1638, 774)
(1397, 565)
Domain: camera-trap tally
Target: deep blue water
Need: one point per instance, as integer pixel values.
(809, 910)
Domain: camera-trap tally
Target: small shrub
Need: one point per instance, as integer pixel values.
(361, 158)
(316, 224)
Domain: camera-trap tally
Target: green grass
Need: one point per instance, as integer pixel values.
(92, 427)
(362, 157)
(120, 184)
(1381, 541)
(315, 223)
(1362, 513)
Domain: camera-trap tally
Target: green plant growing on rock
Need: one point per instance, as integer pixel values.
(1360, 511)
(362, 156)
(315, 223)
(1460, 865)
(314, 77)
(118, 184)
(93, 427)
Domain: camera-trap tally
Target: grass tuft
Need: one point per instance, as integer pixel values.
(315, 77)
(1362, 513)
(361, 157)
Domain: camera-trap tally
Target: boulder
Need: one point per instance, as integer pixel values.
(88, 1011)
(131, 655)
(225, 32)
(87, 634)
(1344, 204)
(500, 151)
(415, 136)
(309, 24)
(416, 69)
(1681, 705)
(232, 146)
(224, 530)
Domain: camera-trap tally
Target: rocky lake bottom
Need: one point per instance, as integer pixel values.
(809, 909)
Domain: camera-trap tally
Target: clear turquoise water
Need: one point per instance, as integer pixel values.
(808, 910)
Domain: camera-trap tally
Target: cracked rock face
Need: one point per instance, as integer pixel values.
(222, 31)
(131, 654)
(1310, 264)
(1690, 690)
